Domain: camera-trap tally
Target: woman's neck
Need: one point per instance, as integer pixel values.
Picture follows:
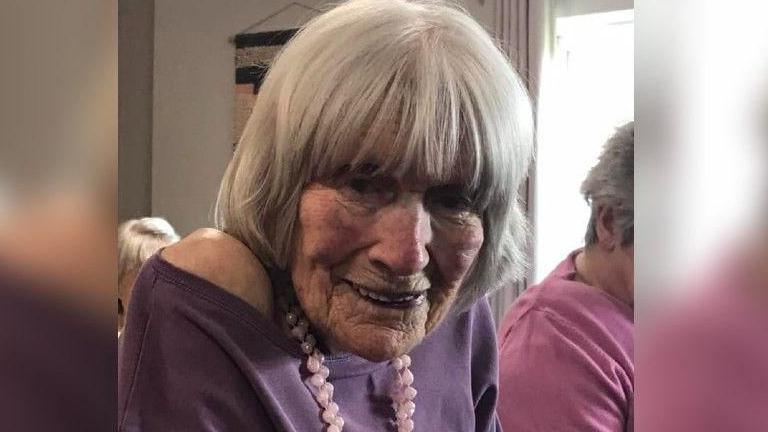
(596, 270)
(285, 301)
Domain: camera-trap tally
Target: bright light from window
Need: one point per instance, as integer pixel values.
(588, 90)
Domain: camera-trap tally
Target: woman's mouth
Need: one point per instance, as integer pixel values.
(389, 299)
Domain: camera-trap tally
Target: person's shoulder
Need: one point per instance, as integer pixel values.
(570, 312)
(469, 329)
(224, 261)
(529, 299)
(571, 301)
(475, 318)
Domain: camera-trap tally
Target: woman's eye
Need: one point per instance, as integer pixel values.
(370, 191)
(454, 202)
(450, 198)
(362, 185)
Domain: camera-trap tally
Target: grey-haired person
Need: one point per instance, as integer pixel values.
(137, 240)
(567, 344)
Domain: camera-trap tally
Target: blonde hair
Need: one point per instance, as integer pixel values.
(366, 67)
(138, 239)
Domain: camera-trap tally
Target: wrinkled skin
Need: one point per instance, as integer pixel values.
(385, 234)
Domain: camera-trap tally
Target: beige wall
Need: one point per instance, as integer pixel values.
(58, 96)
(193, 92)
(135, 45)
(193, 84)
(483, 11)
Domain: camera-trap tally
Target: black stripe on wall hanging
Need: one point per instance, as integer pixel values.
(254, 53)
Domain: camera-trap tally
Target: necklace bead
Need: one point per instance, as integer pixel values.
(307, 348)
(402, 395)
(328, 388)
(313, 364)
(317, 380)
(397, 363)
(407, 377)
(291, 318)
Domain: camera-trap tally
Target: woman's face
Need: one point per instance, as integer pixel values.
(379, 260)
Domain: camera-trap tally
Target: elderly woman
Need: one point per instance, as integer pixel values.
(137, 240)
(369, 207)
(567, 344)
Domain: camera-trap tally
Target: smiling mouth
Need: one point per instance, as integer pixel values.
(390, 300)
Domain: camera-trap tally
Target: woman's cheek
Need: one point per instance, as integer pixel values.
(328, 230)
(458, 249)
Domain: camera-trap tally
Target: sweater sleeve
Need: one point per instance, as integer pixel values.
(173, 372)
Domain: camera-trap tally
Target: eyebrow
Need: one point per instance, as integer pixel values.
(373, 168)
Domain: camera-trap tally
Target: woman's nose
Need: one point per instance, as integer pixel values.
(404, 230)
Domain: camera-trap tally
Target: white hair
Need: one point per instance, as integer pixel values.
(138, 239)
(352, 74)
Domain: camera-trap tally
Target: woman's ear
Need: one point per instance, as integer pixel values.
(606, 236)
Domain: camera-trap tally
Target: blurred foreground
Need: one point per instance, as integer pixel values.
(702, 237)
(58, 151)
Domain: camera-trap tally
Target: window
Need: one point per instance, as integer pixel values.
(587, 91)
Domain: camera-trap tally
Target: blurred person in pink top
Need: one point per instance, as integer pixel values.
(704, 357)
(704, 360)
(567, 344)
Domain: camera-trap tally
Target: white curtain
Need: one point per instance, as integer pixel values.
(524, 30)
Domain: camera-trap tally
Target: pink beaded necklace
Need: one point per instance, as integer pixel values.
(402, 394)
